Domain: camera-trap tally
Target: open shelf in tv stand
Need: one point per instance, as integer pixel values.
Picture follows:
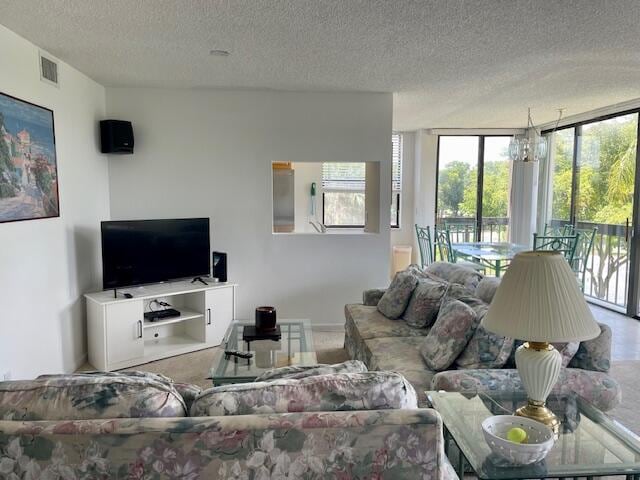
(118, 335)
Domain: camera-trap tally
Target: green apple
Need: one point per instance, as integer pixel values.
(517, 435)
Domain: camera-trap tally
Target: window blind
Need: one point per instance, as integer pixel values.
(348, 176)
(351, 175)
(396, 162)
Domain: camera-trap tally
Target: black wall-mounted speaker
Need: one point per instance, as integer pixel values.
(116, 136)
(219, 266)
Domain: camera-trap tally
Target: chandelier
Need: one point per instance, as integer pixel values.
(531, 146)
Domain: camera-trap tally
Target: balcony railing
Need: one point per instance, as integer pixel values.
(493, 229)
(606, 276)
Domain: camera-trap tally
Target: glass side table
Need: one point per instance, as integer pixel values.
(295, 347)
(590, 443)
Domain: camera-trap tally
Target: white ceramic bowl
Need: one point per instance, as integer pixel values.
(540, 439)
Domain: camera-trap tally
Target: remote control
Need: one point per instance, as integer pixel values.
(238, 353)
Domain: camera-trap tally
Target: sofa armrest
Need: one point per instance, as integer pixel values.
(380, 443)
(372, 296)
(595, 354)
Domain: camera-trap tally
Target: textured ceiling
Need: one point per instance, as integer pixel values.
(450, 63)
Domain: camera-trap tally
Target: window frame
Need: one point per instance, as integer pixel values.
(396, 195)
(337, 189)
(479, 187)
(323, 208)
(633, 273)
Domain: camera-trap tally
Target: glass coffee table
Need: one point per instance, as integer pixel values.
(295, 347)
(590, 444)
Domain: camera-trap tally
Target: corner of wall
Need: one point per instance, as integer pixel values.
(58, 257)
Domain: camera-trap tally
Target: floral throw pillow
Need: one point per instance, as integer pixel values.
(424, 303)
(461, 293)
(485, 350)
(394, 301)
(567, 350)
(487, 288)
(595, 354)
(449, 336)
(454, 273)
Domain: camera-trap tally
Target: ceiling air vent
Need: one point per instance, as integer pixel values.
(48, 70)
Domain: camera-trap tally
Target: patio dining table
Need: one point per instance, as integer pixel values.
(493, 255)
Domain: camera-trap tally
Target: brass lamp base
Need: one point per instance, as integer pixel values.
(539, 412)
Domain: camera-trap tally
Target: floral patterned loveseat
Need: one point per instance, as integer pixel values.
(384, 343)
(94, 434)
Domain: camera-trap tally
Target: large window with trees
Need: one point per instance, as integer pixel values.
(591, 184)
(474, 178)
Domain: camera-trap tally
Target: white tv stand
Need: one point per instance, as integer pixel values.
(118, 336)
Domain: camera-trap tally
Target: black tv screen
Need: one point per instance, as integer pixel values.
(137, 252)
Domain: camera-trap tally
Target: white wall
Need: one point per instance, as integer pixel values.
(305, 174)
(46, 265)
(426, 170)
(209, 153)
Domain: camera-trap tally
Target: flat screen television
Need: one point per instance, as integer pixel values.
(138, 252)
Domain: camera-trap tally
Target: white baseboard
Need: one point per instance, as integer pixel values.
(79, 362)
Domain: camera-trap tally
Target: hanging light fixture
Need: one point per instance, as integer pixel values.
(530, 146)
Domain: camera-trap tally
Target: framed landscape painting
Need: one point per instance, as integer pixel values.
(28, 169)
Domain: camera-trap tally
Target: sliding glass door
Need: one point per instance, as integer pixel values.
(474, 178)
(457, 186)
(496, 181)
(562, 178)
(593, 186)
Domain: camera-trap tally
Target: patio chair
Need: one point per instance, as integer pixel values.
(447, 254)
(461, 232)
(566, 229)
(425, 244)
(583, 250)
(565, 244)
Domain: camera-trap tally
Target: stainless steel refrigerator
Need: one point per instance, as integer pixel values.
(283, 200)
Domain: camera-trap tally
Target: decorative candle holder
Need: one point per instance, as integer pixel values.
(265, 319)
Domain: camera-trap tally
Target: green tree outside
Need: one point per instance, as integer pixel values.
(453, 184)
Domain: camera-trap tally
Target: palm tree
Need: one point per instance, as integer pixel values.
(622, 174)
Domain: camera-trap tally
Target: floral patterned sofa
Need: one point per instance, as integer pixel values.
(135, 425)
(396, 345)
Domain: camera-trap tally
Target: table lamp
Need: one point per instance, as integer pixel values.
(539, 301)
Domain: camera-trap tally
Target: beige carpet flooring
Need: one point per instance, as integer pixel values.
(194, 367)
(628, 412)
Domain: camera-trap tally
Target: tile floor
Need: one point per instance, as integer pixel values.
(626, 333)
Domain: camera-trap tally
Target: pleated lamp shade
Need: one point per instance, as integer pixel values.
(539, 300)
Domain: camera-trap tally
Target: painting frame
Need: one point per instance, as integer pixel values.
(34, 178)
